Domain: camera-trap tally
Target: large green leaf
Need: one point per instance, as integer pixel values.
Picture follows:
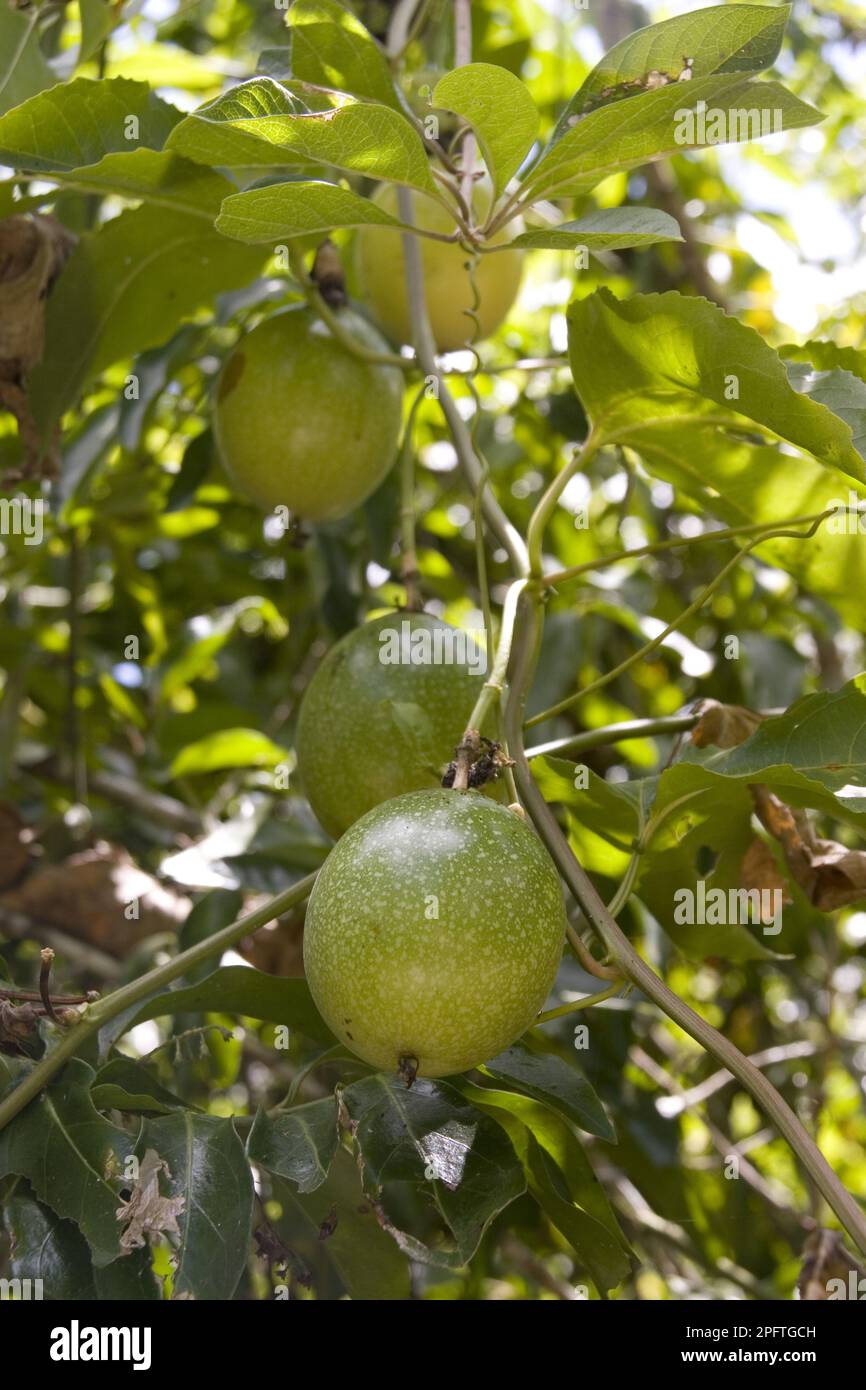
(331, 48)
(430, 1137)
(561, 1179)
(126, 287)
(297, 1144)
(605, 229)
(208, 1170)
(258, 124)
(76, 123)
(724, 109)
(661, 357)
(547, 1078)
(720, 39)
(237, 989)
(71, 1157)
(23, 69)
(296, 209)
(499, 108)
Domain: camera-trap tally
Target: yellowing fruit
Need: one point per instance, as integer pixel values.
(448, 288)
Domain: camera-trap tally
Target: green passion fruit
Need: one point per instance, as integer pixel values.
(434, 932)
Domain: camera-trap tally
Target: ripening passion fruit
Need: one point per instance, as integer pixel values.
(434, 932)
(448, 287)
(302, 422)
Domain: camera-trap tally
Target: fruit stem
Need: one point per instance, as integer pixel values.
(112, 1005)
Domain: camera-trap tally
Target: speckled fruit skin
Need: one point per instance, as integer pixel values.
(393, 981)
(368, 731)
(381, 276)
(302, 423)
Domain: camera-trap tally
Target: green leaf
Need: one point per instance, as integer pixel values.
(297, 1144)
(157, 177)
(561, 1179)
(258, 124)
(65, 1150)
(664, 122)
(500, 110)
(429, 1136)
(365, 1257)
(331, 48)
(98, 18)
(607, 229)
(125, 1084)
(296, 209)
(23, 69)
(208, 1169)
(720, 39)
(126, 287)
(228, 748)
(237, 989)
(661, 357)
(46, 1248)
(76, 123)
(549, 1079)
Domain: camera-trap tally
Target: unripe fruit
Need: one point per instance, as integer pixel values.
(447, 284)
(301, 422)
(370, 729)
(434, 932)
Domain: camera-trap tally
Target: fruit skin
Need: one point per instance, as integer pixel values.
(391, 981)
(368, 731)
(302, 423)
(381, 275)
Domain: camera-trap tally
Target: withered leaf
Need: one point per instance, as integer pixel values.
(724, 726)
(146, 1211)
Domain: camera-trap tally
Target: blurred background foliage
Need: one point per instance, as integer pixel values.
(154, 649)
